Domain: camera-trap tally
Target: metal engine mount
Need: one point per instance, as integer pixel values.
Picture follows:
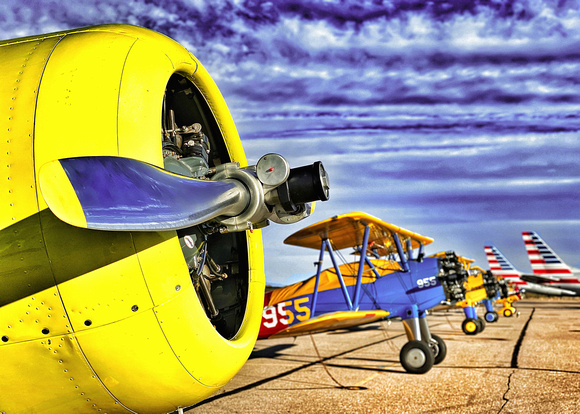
(453, 276)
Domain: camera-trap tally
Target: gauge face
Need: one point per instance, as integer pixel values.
(272, 169)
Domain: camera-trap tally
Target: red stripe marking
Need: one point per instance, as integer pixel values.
(552, 271)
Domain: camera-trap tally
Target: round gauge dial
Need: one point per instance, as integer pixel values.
(272, 169)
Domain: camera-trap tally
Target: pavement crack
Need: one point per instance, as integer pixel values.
(516, 352)
(505, 397)
(514, 363)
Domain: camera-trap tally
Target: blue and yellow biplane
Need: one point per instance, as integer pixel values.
(389, 280)
(499, 291)
(475, 293)
(471, 293)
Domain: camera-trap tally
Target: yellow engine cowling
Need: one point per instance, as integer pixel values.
(106, 321)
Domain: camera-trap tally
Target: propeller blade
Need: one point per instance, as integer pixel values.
(115, 193)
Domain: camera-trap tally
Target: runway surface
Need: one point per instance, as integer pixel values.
(525, 364)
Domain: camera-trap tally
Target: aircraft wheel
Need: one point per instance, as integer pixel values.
(470, 326)
(481, 324)
(491, 316)
(416, 357)
(507, 312)
(439, 349)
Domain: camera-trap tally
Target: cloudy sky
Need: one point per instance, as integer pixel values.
(458, 120)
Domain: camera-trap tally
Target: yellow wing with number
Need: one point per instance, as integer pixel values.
(332, 321)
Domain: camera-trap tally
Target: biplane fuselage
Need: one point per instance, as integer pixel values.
(394, 293)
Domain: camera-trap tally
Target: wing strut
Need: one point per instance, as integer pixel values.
(409, 249)
(373, 268)
(339, 275)
(361, 265)
(318, 271)
(401, 252)
(421, 252)
(325, 246)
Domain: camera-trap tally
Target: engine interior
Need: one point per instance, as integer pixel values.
(218, 262)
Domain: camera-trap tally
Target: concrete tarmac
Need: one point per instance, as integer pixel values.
(525, 364)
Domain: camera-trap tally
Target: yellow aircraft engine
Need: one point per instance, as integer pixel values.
(131, 268)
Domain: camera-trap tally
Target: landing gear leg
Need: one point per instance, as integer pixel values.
(418, 355)
(436, 343)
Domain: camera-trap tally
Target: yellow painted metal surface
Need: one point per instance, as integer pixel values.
(38, 316)
(347, 230)
(22, 67)
(56, 186)
(209, 365)
(101, 321)
(475, 291)
(59, 379)
(133, 355)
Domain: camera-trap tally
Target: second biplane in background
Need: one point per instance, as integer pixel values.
(388, 281)
(498, 291)
(472, 293)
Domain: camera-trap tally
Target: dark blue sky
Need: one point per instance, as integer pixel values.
(455, 119)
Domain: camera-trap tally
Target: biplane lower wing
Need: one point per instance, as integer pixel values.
(333, 321)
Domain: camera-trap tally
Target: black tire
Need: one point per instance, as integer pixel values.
(440, 350)
(470, 326)
(416, 357)
(508, 313)
(491, 316)
(481, 322)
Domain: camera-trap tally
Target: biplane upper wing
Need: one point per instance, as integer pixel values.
(332, 321)
(347, 230)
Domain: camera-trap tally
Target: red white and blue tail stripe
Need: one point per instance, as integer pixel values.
(500, 266)
(543, 259)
